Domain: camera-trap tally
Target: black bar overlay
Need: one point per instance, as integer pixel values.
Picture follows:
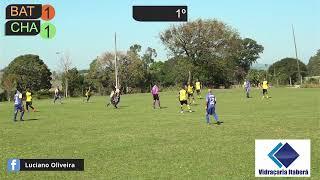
(22, 27)
(51, 164)
(25, 11)
(160, 13)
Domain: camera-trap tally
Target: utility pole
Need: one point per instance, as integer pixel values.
(115, 59)
(295, 47)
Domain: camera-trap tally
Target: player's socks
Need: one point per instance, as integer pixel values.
(21, 116)
(189, 108)
(216, 117)
(15, 116)
(208, 118)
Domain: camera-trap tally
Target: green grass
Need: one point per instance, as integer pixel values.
(138, 142)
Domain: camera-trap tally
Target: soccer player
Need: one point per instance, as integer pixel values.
(29, 101)
(265, 87)
(211, 102)
(247, 87)
(198, 89)
(183, 99)
(18, 106)
(88, 94)
(155, 95)
(114, 97)
(57, 95)
(190, 93)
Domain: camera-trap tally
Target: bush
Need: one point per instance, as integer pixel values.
(310, 86)
(3, 97)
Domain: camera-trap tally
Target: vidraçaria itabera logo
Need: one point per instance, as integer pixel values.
(284, 158)
(283, 155)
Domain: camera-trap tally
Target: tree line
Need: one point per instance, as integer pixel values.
(212, 51)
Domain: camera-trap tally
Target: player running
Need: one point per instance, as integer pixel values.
(265, 87)
(198, 89)
(18, 106)
(211, 102)
(57, 95)
(29, 101)
(183, 99)
(114, 97)
(247, 87)
(88, 94)
(190, 93)
(155, 95)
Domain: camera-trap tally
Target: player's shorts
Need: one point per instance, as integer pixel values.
(29, 103)
(264, 91)
(155, 97)
(190, 94)
(184, 102)
(211, 110)
(198, 91)
(18, 107)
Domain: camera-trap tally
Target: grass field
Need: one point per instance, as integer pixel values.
(138, 142)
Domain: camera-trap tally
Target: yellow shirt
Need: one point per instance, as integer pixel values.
(182, 95)
(190, 89)
(29, 97)
(198, 86)
(265, 85)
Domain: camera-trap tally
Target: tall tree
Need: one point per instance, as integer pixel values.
(314, 65)
(66, 63)
(75, 82)
(287, 70)
(213, 47)
(29, 71)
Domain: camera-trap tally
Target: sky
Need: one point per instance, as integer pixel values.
(85, 29)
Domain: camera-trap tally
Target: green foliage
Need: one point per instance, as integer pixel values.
(256, 76)
(75, 82)
(218, 54)
(314, 65)
(286, 68)
(28, 71)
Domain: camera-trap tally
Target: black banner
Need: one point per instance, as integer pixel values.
(51, 164)
(23, 11)
(160, 13)
(22, 27)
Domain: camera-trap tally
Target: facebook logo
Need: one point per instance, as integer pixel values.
(13, 165)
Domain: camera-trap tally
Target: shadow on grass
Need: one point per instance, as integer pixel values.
(33, 119)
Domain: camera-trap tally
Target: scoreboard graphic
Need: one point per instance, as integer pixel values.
(30, 20)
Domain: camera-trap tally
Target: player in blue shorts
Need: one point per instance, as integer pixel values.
(211, 107)
(18, 106)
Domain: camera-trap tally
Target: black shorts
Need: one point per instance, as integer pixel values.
(198, 91)
(184, 102)
(264, 91)
(29, 103)
(190, 94)
(155, 97)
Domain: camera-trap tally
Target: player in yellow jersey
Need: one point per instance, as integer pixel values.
(265, 87)
(198, 89)
(29, 101)
(190, 93)
(183, 98)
